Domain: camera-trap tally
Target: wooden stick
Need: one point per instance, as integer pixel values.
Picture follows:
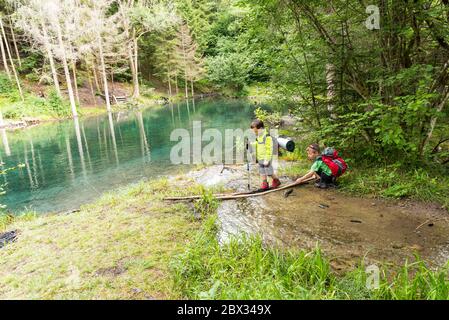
(239, 195)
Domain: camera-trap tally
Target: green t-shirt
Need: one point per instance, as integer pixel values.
(319, 165)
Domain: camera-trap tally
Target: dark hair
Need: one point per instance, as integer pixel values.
(258, 124)
(315, 146)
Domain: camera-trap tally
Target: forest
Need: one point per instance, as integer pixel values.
(89, 90)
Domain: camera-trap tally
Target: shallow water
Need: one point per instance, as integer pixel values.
(348, 229)
(65, 167)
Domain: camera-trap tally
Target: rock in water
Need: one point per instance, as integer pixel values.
(287, 193)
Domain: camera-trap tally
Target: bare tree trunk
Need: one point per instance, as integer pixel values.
(75, 82)
(67, 72)
(112, 82)
(92, 91)
(176, 82)
(15, 42)
(132, 52)
(136, 66)
(5, 62)
(330, 79)
(11, 61)
(105, 79)
(433, 121)
(191, 88)
(186, 88)
(94, 71)
(185, 66)
(169, 85)
(52, 61)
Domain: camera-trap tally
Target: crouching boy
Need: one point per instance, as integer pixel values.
(263, 147)
(326, 167)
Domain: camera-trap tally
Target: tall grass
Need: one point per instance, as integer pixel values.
(244, 268)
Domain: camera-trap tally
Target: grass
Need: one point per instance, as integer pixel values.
(392, 181)
(245, 269)
(130, 244)
(118, 247)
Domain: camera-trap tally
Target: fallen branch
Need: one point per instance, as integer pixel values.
(429, 220)
(240, 195)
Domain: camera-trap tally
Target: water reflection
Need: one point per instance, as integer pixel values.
(5, 142)
(146, 156)
(71, 162)
(112, 133)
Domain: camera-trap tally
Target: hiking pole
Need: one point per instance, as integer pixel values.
(247, 163)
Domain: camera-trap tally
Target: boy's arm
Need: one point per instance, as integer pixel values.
(309, 175)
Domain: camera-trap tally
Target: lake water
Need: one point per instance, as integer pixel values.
(64, 167)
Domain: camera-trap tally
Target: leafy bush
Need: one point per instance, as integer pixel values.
(58, 105)
(229, 71)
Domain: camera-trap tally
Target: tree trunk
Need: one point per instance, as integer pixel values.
(185, 66)
(66, 72)
(105, 78)
(94, 72)
(5, 62)
(75, 82)
(433, 121)
(170, 91)
(191, 88)
(11, 61)
(52, 61)
(15, 43)
(176, 83)
(136, 65)
(330, 79)
(91, 85)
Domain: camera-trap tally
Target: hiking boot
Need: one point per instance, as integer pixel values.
(264, 186)
(322, 185)
(276, 183)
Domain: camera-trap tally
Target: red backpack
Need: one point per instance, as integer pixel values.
(331, 158)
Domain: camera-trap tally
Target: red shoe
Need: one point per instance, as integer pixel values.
(275, 184)
(264, 186)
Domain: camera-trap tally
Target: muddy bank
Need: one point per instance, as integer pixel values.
(348, 229)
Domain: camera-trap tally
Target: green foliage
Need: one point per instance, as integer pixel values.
(207, 205)
(244, 269)
(6, 86)
(57, 104)
(393, 181)
(13, 107)
(229, 71)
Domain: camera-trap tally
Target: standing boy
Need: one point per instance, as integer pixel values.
(264, 154)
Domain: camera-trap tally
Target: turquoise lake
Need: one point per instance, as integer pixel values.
(63, 168)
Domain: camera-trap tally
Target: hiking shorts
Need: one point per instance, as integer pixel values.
(266, 170)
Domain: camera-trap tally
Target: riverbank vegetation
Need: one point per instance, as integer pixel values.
(131, 244)
(372, 81)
